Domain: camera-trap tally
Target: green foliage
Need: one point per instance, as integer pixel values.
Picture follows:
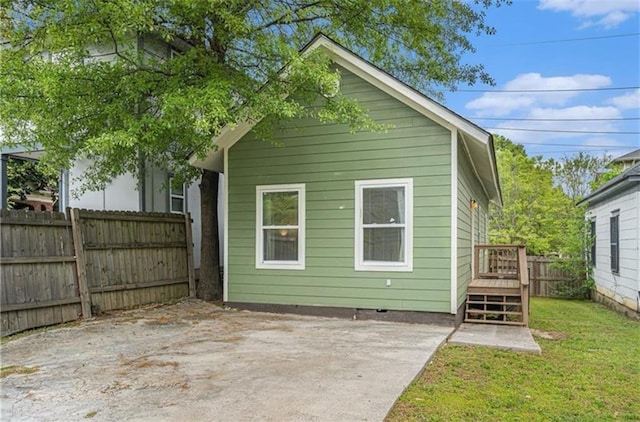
(588, 371)
(26, 176)
(540, 199)
(577, 174)
(535, 212)
(605, 176)
(77, 78)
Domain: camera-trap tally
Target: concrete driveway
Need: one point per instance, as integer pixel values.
(194, 361)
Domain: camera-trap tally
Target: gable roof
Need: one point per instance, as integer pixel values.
(478, 142)
(619, 183)
(632, 156)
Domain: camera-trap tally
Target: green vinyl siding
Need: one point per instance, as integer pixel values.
(328, 159)
(469, 188)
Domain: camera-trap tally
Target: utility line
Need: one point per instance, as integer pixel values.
(564, 131)
(619, 88)
(632, 34)
(553, 120)
(553, 144)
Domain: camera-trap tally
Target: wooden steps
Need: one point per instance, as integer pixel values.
(494, 301)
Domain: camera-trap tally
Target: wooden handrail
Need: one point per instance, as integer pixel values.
(499, 246)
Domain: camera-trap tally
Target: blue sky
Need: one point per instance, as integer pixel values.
(588, 45)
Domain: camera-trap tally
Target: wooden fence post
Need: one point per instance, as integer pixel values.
(190, 269)
(81, 269)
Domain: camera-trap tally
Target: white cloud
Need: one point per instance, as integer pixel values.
(504, 103)
(605, 13)
(627, 101)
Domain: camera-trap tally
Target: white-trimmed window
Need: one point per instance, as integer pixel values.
(384, 225)
(176, 197)
(614, 226)
(280, 231)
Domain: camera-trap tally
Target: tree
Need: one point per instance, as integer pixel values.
(534, 211)
(607, 174)
(577, 174)
(134, 107)
(540, 206)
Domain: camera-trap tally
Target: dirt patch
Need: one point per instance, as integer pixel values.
(550, 335)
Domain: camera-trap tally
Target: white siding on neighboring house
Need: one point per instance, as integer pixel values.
(623, 286)
(120, 194)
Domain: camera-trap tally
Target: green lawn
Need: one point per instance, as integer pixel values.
(589, 370)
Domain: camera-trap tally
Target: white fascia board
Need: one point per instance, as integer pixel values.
(494, 171)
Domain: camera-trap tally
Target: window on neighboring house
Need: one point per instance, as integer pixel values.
(384, 225)
(592, 240)
(615, 241)
(280, 226)
(176, 196)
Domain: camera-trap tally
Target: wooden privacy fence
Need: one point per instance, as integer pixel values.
(548, 279)
(55, 268)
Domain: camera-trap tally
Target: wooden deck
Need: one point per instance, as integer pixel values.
(493, 285)
(499, 291)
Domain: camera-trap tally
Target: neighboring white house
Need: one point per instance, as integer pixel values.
(613, 211)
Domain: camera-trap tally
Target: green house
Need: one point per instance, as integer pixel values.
(364, 225)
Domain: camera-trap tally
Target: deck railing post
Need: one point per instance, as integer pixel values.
(523, 275)
(476, 263)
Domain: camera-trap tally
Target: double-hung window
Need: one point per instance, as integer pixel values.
(592, 242)
(384, 225)
(615, 241)
(176, 196)
(280, 226)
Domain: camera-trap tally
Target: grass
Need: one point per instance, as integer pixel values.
(5, 371)
(589, 370)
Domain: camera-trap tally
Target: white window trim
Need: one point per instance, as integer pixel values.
(174, 194)
(362, 265)
(280, 265)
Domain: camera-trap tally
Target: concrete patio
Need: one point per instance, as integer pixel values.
(505, 337)
(196, 361)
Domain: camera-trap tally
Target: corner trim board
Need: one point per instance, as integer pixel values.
(225, 230)
(454, 221)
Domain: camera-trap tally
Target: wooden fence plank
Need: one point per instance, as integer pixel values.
(132, 286)
(40, 304)
(83, 288)
(27, 222)
(134, 245)
(130, 216)
(36, 260)
(189, 241)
